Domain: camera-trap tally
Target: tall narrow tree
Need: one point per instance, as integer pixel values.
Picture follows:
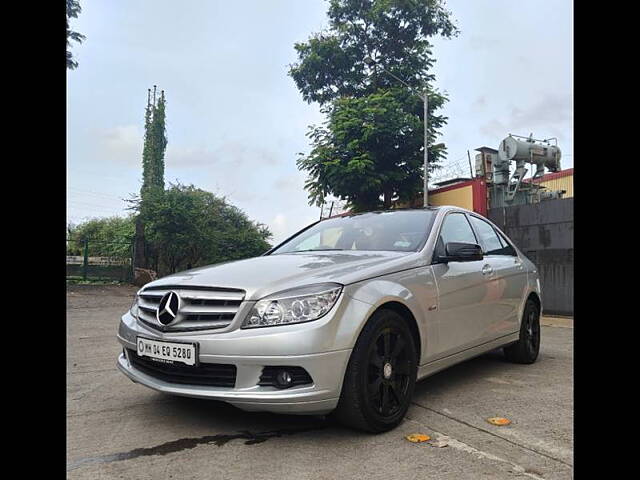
(155, 144)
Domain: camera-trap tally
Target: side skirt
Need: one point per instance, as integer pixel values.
(433, 367)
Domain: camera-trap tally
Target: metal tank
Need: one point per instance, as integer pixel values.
(542, 153)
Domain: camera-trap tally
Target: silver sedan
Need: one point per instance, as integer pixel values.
(344, 316)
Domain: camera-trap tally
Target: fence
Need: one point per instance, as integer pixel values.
(100, 259)
(544, 233)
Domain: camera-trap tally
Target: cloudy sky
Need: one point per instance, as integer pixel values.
(236, 120)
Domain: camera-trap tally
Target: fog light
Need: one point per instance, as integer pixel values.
(284, 379)
(284, 376)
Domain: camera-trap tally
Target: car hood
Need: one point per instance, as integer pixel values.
(261, 276)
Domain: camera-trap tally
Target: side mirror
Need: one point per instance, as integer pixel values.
(462, 252)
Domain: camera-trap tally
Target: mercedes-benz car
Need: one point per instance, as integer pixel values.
(343, 317)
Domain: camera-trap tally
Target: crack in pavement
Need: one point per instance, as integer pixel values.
(189, 443)
(526, 447)
(463, 447)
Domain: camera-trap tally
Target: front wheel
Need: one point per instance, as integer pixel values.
(526, 349)
(381, 375)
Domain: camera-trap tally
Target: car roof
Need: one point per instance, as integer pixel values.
(433, 208)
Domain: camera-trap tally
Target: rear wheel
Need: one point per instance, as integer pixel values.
(381, 375)
(527, 348)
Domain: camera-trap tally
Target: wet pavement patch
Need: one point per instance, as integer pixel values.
(189, 443)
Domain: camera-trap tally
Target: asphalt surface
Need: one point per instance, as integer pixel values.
(118, 429)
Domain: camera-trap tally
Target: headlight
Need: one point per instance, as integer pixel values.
(134, 308)
(293, 306)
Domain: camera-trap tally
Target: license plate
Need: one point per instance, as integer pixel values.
(167, 351)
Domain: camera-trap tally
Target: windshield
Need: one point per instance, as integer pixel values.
(400, 230)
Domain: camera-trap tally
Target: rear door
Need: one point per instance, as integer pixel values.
(462, 312)
(507, 278)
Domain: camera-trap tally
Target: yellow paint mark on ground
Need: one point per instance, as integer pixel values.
(499, 421)
(418, 437)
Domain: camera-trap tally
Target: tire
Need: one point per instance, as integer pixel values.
(526, 349)
(381, 375)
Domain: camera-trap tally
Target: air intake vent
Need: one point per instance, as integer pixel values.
(210, 374)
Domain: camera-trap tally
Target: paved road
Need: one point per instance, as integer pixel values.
(117, 429)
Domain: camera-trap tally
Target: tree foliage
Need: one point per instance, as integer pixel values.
(73, 9)
(187, 226)
(107, 237)
(371, 142)
(155, 144)
(184, 227)
(369, 146)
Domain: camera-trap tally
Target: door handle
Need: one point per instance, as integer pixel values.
(487, 270)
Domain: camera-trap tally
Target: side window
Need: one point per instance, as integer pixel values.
(507, 249)
(492, 243)
(455, 228)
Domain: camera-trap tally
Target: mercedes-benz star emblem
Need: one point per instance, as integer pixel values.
(168, 308)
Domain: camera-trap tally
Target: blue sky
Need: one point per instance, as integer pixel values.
(236, 121)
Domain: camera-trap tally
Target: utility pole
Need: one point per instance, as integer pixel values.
(425, 100)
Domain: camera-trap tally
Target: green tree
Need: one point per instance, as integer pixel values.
(184, 226)
(73, 9)
(371, 143)
(189, 227)
(107, 237)
(155, 144)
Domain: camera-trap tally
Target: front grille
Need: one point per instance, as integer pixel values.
(298, 374)
(203, 308)
(209, 374)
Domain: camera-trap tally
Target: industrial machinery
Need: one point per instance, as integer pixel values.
(494, 166)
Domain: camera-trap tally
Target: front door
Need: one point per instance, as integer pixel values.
(462, 314)
(508, 278)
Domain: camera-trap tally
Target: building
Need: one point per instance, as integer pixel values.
(473, 194)
(466, 193)
(562, 180)
(540, 221)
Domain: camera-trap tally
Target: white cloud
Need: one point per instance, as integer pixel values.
(235, 153)
(293, 182)
(122, 144)
(549, 116)
(279, 227)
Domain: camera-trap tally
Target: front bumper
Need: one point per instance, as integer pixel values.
(321, 397)
(322, 348)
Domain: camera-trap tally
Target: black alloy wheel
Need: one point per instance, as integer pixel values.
(381, 374)
(388, 373)
(527, 348)
(533, 331)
